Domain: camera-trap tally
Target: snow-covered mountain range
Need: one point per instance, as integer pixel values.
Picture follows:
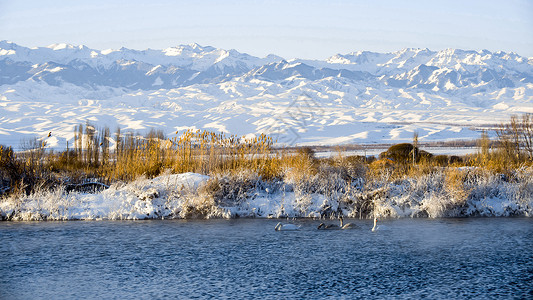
(360, 97)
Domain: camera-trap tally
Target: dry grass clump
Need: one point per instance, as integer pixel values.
(134, 155)
(232, 188)
(11, 170)
(94, 157)
(201, 205)
(454, 185)
(513, 148)
(301, 167)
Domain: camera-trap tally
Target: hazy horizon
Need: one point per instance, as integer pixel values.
(302, 29)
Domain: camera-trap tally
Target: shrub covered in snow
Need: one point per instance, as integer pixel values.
(330, 192)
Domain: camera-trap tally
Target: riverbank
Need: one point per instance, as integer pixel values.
(458, 192)
(202, 174)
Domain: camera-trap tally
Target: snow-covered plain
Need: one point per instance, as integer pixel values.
(191, 195)
(361, 97)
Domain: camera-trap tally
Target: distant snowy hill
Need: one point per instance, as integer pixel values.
(360, 97)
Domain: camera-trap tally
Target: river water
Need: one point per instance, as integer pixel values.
(246, 258)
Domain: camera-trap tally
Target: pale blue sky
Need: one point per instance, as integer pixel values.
(305, 29)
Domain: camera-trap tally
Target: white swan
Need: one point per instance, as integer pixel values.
(347, 225)
(378, 227)
(286, 227)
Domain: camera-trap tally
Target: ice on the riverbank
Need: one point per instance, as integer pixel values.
(191, 195)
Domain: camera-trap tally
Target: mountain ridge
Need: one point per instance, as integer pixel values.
(407, 67)
(359, 97)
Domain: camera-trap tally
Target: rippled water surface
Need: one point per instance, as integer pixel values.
(414, 258)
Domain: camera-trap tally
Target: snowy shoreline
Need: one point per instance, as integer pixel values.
(191, 195)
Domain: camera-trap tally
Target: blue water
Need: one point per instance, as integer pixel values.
(415, 258)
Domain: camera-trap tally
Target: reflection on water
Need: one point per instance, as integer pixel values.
(415, 258)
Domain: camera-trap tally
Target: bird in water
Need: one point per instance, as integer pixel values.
(323, 226)
(347, 225)
(378, 227)
(286, 227)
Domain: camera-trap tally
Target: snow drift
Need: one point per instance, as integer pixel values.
(191, 195)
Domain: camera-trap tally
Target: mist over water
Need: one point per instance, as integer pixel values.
(246, 258)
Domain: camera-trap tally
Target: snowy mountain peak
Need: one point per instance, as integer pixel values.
(198, 47)
(61, 46)
(8, 45)
(188, 50)
(412, 51)
(359, 96)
